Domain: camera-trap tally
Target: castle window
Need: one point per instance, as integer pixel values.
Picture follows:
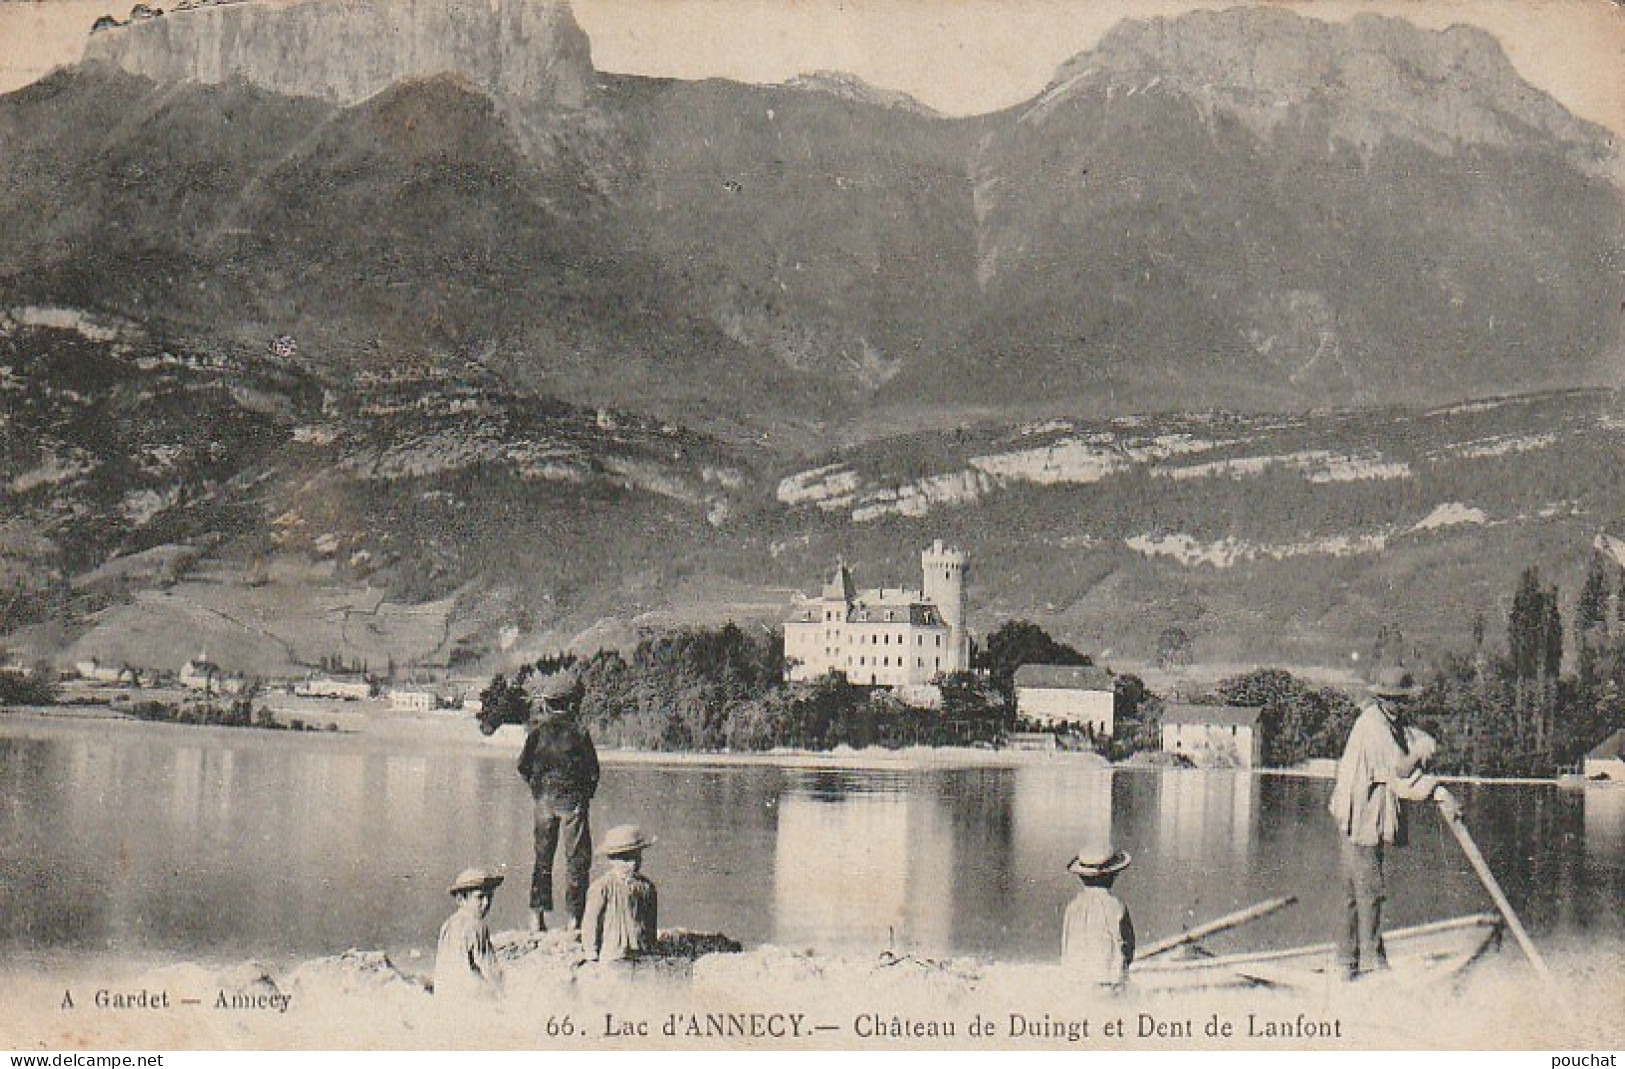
(939, 641)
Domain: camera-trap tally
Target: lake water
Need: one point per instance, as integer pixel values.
(151, 842)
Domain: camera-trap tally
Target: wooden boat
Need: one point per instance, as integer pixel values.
(1423, 955)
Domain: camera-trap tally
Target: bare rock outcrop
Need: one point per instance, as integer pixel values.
(521, 52)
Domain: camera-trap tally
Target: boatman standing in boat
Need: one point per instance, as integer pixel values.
(561, 766)
(1381, 766)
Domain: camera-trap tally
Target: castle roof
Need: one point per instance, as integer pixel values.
(922, 613)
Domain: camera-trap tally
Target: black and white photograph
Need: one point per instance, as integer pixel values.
(774, 525)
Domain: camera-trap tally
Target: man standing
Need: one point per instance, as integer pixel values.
(561, 766)
(1380, 766)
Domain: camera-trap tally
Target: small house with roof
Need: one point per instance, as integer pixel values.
(1066, 696)
(1223, 735)
(1607, 759)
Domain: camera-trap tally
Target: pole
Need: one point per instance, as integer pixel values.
(1450, 811)
(1218, 924)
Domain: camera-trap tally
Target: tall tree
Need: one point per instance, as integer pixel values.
(1532, 647)
(1019, 642)
(1591, 611)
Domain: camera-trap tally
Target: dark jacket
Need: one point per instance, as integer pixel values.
(559, 761)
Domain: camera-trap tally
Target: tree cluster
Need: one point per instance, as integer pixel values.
(1297, 720)
(34, 687)
(1519, 713)
(707, 689)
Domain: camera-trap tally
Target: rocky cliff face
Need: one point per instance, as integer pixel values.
(1245, 208)
(522, 52)
(1250, 202)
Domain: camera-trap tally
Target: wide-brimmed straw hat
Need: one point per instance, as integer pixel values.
(475, 879)
(1098, 863)
(555, 687)
(625, 839)
(1394, 683)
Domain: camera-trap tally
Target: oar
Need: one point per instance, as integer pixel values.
(1219, 924)
(1450, 810)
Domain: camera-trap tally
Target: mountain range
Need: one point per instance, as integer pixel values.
(558, 351)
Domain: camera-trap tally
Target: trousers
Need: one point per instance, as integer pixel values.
(1365, 888)
(563, 827)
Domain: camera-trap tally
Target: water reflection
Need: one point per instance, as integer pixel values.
(230, 844)
(869, 866)
(1604, 809)
(1205, 814)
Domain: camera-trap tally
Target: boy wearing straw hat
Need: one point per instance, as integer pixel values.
(465, 965)
(622, 904)
(1381, 766)
(1097, 935)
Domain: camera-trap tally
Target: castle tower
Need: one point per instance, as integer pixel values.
(840, 586)
(944, 571)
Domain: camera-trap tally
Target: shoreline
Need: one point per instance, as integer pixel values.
(367, 999)
(459, 729)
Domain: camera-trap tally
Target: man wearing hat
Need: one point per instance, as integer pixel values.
(623, 907)
(1097, 934)
(465, 965)
(560, 764)
(1381, 765)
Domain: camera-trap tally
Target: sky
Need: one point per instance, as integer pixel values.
(957, 56)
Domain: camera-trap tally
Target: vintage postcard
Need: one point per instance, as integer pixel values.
(794, 524)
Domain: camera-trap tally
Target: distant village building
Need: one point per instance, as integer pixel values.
(1607, 760)
(204, 675)
(1052, 696)
(101, 672)
(411, 701)
(325, 687)
(1214, 734)
(888, 636)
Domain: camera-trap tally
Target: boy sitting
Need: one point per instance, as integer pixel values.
(619, 922)
(1097, 936)
(465, 965)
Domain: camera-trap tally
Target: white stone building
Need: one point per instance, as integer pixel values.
(1052, 695)
(349, 690)
(1223, 735)
(888, 636)
(406, 700)
(204, 675)
(99, 671)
